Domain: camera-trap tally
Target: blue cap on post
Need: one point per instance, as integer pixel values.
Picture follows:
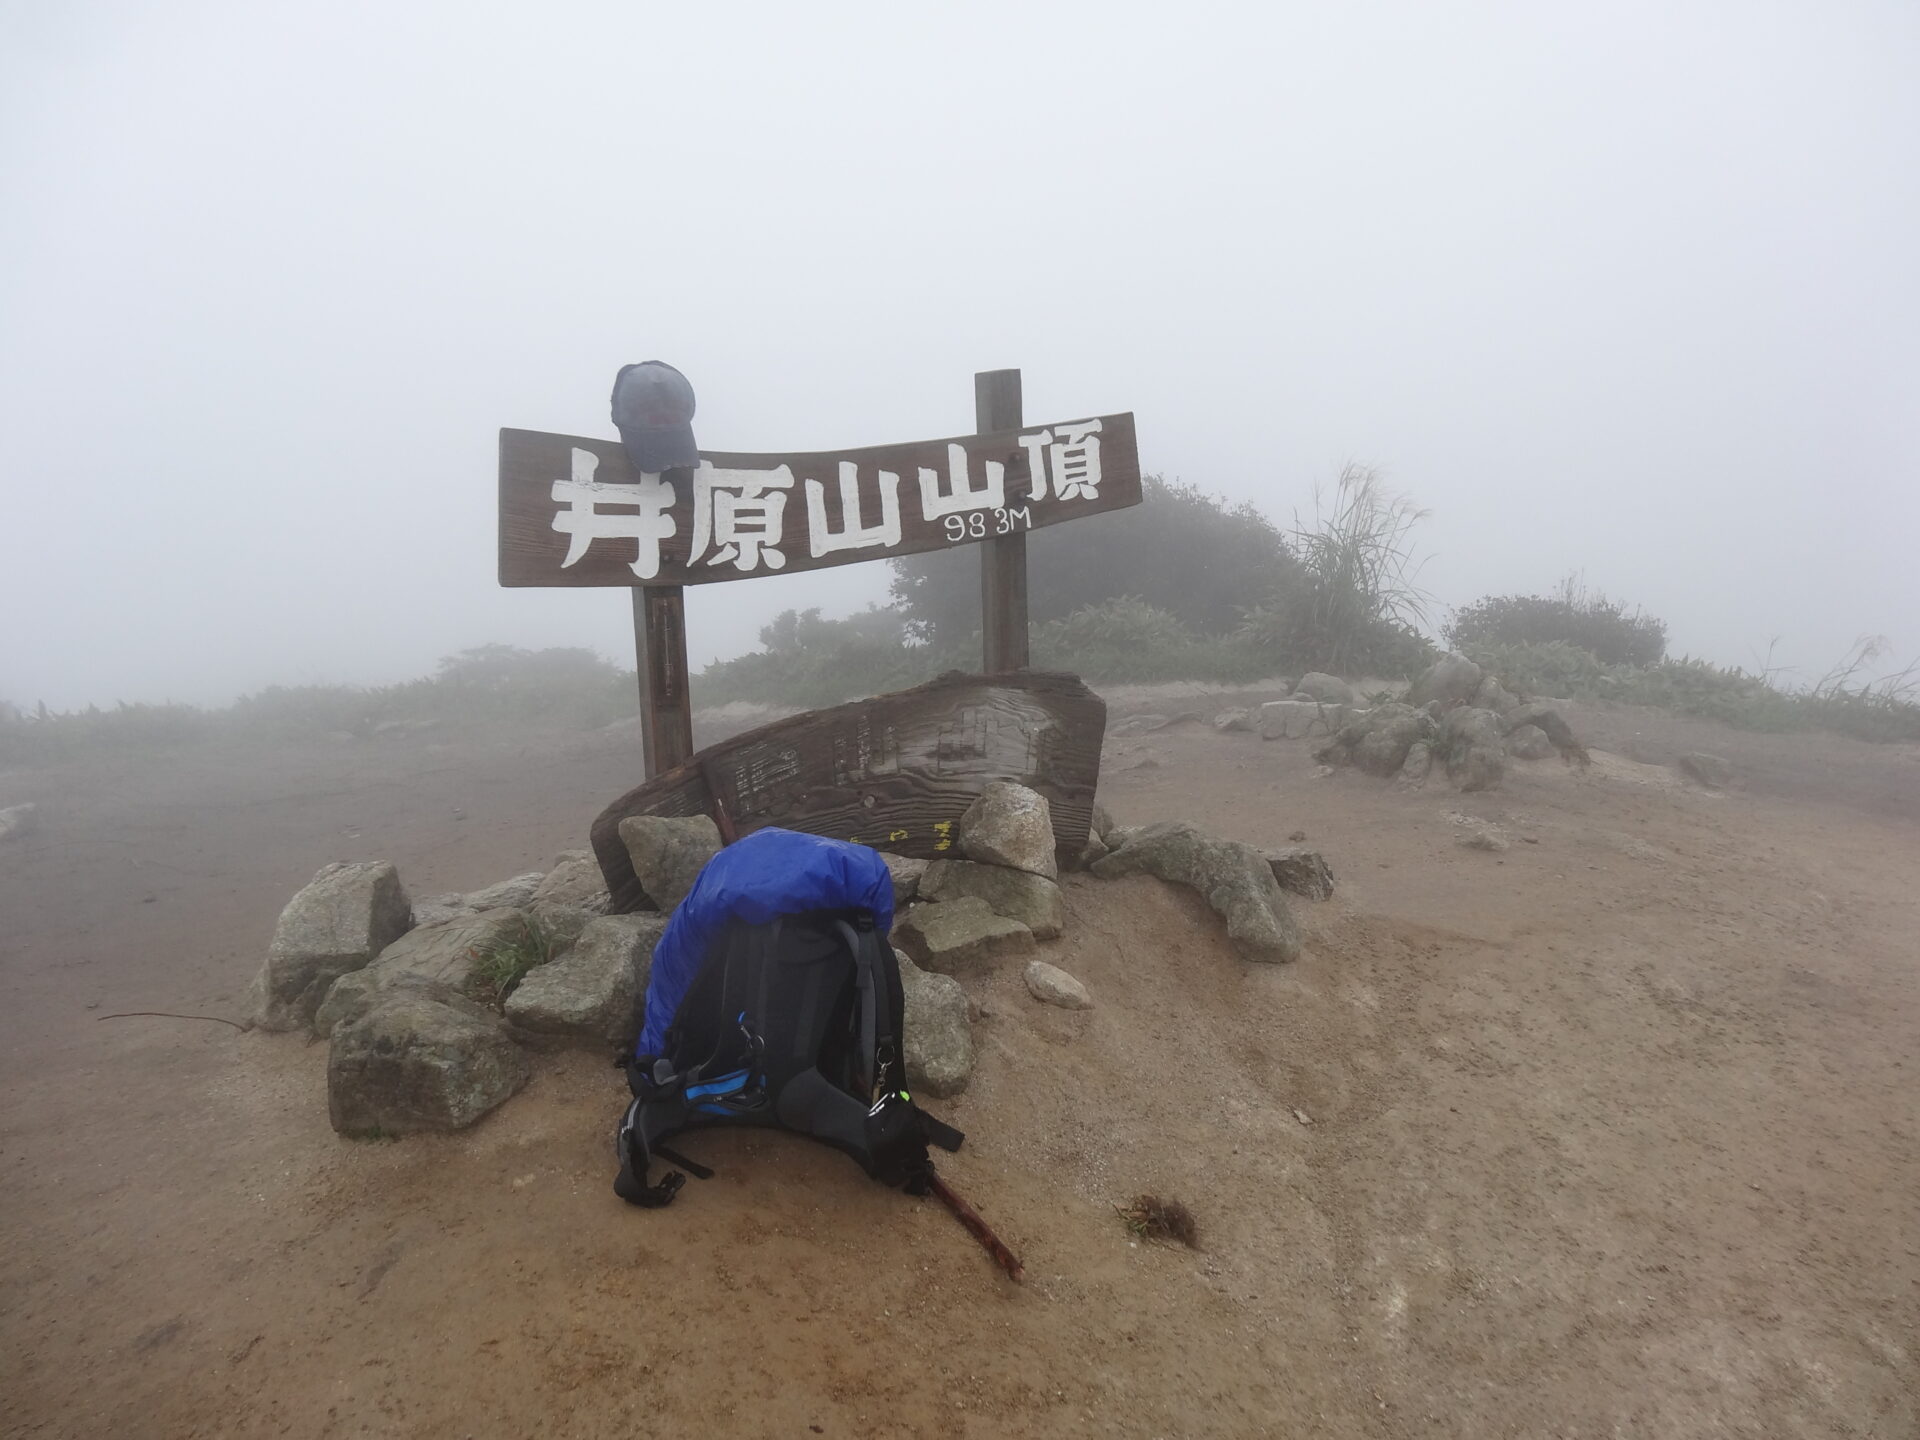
(653, 410)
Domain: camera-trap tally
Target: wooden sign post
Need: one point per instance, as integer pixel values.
(1003, 559)
(660, 653)
(573, 512)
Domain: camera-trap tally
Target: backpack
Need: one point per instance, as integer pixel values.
(775, 1000)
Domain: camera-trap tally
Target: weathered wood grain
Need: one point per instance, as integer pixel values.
(895, 771)
(1003, 559)
(666, 707)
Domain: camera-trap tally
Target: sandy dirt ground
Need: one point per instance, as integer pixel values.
(1613, 1133)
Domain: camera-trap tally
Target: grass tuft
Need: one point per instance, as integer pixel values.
(499, 969)
(1153, 1218)
(1886, 710)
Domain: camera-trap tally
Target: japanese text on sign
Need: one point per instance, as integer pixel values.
(739, 515)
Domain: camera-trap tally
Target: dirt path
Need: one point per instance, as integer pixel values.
(1611, 1133)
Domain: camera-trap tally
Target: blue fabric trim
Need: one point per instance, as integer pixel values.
(767, 874)
(725, 1085)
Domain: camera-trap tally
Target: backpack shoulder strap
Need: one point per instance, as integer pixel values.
(635, 1153)
(880, 979)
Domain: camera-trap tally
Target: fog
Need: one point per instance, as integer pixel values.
(1623, 289)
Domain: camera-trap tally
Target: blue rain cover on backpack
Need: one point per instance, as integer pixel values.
(769, 873)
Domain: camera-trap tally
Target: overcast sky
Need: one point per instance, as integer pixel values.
(1627, 288)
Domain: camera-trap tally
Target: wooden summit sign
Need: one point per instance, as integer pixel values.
(577, 511)
(892, 771)
(573, 512)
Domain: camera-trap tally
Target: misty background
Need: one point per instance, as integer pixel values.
(1628, 290)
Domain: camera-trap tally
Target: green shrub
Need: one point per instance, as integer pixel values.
(1880, 711)
(48, 737)
(560, 685)
(294, 711)
(1887, 709)
(1120, 624)
(495, 684)
(1871, 715)
(1187, 553)
(1697, 687)
(1126, 640)
(1575, 616)
(1333, 594)
(1290, 637)
(811, 662)
(1351, 605)
(491, 684)
(1555, 668)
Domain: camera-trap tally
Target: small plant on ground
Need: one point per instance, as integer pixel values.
(501, 966)
(1152, 1218)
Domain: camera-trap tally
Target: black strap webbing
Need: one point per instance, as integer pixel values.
(631, 1183)
(692, 1167)
(938, 1132)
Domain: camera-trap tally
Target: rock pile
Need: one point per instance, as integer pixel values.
(347, 915)
(594, 988)
(998, 898)
(1002, 899)
(1033, 900)
(938, 1044)
(1297, 719)
(421, 1062)
(1234, 878)
(1327, 689)
(450, 956)
(1318, 704)
(431, 1007)
(1455, 715)
(960, 935)
(668, 853)
(436, 1010)
(1474, 747)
